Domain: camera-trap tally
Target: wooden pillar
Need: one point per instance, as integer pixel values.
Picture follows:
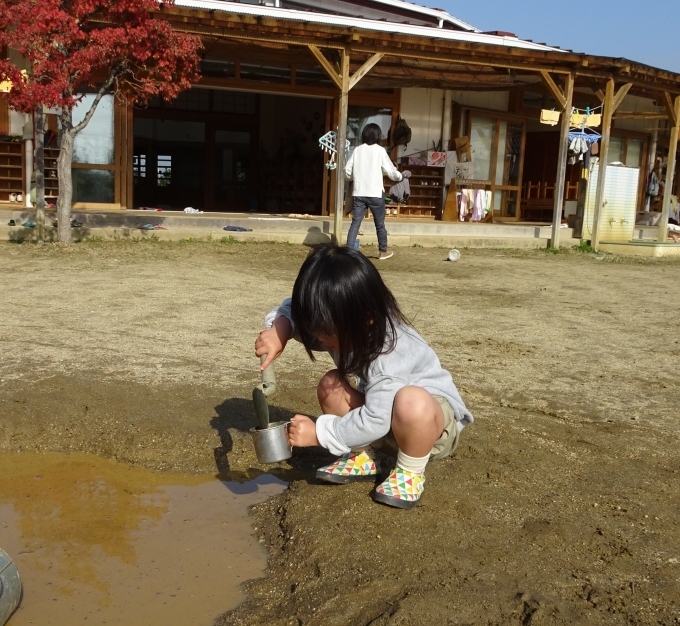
(611, 103)
(607, 114)
(651, 162)
(670, 172)
(562, 161)
(40, 172)
(340, 147)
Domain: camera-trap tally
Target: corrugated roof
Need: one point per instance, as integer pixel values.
(362, 24)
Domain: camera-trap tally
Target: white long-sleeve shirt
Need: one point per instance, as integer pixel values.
(366, 166)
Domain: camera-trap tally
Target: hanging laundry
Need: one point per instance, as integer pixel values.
(577, 119)
(593, 120)
(550, 117)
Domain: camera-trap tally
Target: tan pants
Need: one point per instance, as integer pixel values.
(444, 446)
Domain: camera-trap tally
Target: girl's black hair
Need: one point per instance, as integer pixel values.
(371, 134)
(339, 292)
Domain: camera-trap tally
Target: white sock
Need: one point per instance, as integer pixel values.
(413, 464)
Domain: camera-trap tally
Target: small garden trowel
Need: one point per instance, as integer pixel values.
(260, 394)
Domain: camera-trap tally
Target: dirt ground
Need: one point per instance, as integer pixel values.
(560, 505)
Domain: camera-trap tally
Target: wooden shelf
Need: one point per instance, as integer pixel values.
(426, 202)
(12, 175)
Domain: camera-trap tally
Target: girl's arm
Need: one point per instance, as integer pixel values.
(389, 168)
(349, 167)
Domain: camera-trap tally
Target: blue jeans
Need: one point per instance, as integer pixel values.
(377, 206)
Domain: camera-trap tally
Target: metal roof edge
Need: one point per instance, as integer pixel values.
(437, 13)
(361, 23)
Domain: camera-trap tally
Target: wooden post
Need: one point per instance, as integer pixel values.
(562, 161)
(340, 147)
(40, 172)
(670, 172)
(344, 82)
(651, 163)
(611, 103)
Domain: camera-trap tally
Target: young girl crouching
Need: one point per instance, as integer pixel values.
(399, 393)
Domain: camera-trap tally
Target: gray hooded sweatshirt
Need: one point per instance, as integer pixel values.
(411, 362)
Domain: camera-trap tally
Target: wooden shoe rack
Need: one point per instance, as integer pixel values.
(12, 171)
(427, 192)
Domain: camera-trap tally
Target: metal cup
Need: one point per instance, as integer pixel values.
(271, 444)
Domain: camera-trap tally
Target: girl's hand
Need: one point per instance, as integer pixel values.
(302, 432)
(273, 340)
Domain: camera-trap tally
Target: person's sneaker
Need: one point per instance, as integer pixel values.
(349, 469)
(388, 254)
(401, 489)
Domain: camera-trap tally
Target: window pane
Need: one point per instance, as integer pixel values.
(615, 150)
(482, 137)
(634, 153)
(359, 116)
(169, 130)
(94, 144)
(232, 136)
(509, 153)
(93, 185)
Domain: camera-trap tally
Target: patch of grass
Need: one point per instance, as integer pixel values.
(229, 240)
(416, 245)
(149, 239)
(584, 246)
(191, 240)
(552, 250)
(92, 239)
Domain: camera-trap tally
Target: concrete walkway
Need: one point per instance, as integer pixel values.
(266, 227)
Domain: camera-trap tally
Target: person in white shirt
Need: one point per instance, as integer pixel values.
(365, 168)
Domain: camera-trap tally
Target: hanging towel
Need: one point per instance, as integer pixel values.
(550, 117)
(401, 191)
(593, 120)
(577, 119)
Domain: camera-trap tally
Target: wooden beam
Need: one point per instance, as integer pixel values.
(620, 95)
(670, 110)
(642, 115)
(562, 162)
(670, 172)
(600, 95)
(326, 65)
(557, 93)
(602, 169)
(365, 69)
(340, 147)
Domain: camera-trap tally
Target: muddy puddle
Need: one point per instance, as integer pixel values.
(98, 542)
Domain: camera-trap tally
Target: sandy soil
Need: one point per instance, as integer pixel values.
(559, 507)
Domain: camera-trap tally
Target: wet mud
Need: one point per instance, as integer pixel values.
(99, 542)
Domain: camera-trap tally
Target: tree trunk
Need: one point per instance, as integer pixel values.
(64, 175)
(40, 172)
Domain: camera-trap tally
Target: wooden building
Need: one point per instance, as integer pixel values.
(278, 75)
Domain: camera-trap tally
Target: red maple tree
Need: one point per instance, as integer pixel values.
(117, 47)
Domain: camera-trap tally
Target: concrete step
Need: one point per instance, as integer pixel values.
(313, 235)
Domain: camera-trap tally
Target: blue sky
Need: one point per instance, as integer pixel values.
(646, 32)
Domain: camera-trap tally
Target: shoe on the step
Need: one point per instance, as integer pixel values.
(76, 224)
(12, 223)
(349, 469)
(387, 254)
(401, 489)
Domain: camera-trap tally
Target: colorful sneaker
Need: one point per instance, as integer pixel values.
(401, 489)
(349, 469)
